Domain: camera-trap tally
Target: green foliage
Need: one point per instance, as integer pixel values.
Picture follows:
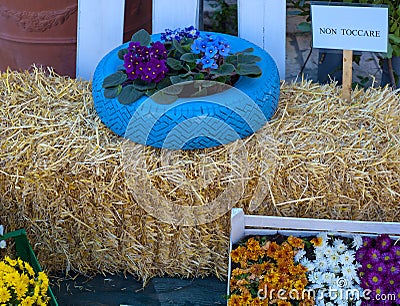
(183, 65)
(224, 17)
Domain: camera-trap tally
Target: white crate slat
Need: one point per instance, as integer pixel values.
(100, 29)
(243, 225)
(174, 14)
(263, 22)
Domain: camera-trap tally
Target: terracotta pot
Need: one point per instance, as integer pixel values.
(44, 32)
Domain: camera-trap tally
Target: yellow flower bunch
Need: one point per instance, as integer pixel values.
(19, 285)
(266, 274)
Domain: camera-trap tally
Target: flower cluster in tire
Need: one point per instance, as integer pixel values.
(181, 56)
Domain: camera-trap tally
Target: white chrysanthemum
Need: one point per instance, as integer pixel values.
(349, 272)
(315, 277)
(300, 254)
(357, 241)
(329, 304)
(329, 251)
(347, 257)
(339, 246)
(3, 244)
(305, 262)
(319, 253)
(333, 258)
(328, 277)
(321, 265)
(335, 269)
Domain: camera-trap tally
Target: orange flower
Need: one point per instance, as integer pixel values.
(238, 253)
(235, 300)
(253, 245)
(317, 241)
(296, 242)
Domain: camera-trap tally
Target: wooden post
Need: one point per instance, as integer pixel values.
(347, 74)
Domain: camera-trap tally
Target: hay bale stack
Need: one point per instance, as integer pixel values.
(92, 203)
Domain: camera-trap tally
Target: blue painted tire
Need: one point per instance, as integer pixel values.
(264, 91)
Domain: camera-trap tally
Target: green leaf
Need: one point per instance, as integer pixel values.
(178, 46)
(249, 70)
(199, 76)
(189, 57)
(142, 36)
(174, 63)
(112, 92)
(143, 85)
(121, 53)
(225, 69)
(232, 59)
(395, 39)
(114, 79)
(304, 27)
(129, 95)
(164, 83)
(248, 59)
(248, 50)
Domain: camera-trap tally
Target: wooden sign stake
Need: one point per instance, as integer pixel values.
(347, 74)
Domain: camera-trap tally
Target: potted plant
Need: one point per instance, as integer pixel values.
(29, 284)
(151, 85)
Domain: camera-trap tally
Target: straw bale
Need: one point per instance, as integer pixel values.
(95, 203)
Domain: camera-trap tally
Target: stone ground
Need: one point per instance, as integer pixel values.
(118, 290)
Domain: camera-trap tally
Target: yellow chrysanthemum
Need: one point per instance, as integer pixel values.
(10, 261)
(11, 278)
(4, 295)
(29, 269)
(21, 288)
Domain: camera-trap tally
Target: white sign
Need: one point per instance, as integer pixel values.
(359, 28)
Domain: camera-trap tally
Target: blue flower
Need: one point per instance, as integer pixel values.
(211, 51)
(207, 62)
(196, 46)
(224, 49)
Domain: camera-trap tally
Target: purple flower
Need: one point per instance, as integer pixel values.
(395, 250)
(368, 242)
(393, 268)
(361, 253)
(381, 268)
(383, 242)
(397, 296)
(157, 50)
(373, 255)
(387, 257)
(374, 279)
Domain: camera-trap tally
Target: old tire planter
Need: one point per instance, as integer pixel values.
(196, 124)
